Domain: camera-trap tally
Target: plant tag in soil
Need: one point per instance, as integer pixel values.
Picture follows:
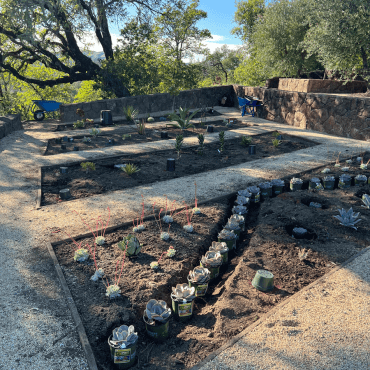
(200, 290)
(185, 309)
(123, 356)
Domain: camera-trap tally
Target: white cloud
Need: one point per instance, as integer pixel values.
(90, 41)
(216, 38)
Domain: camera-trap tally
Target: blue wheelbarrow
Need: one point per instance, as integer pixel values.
(249, 103)
(45, 106)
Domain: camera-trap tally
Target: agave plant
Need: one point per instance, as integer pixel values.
(157, 311)
(123, 336)
(183, 292)
(81, 255)
(199, 275)
(131, 244)
(212, 259)
(99, 273)
(219, 247)
(183, 122)
(366, 200)
(348, 218)
(239, 210)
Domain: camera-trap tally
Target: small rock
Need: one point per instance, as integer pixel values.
(179, 362)
(210, 335)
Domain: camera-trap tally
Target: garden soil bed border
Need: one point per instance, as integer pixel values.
(81, 330)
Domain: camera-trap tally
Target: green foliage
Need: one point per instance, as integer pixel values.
(126, 136)
(86, 93)
(130, 112)
(276, 134)
(130, 169)
(201, 143)
(86, 166)
(79, 124)
(140, 126)
(276, 142)
(250, 72)
(178, 144)
(246, 140)
(221, 137)
(183, 121)
(95, 132)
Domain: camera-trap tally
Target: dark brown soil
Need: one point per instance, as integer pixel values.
(231, 303)
(152, 167)
(199, 115)
(135, 138)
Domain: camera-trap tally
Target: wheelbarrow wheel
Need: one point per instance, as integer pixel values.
(39, 115)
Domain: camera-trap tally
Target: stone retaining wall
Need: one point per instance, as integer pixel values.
(334, 114)
(208, 96)
(10, 123)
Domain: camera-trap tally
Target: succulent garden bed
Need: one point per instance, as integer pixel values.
(131, 136)
(231, 302)
(152, 166)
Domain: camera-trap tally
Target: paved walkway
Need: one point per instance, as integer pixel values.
(38, 332)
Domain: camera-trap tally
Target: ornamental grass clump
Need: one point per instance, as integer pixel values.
(94, 132)
(201, 143)
(140, 127)
(276, 143)
(157, 311)
(348, 218)
(199, 275)
(246, 140)
(130, 169)
(123, 337)
(79, 124)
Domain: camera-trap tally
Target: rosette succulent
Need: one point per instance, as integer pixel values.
(199, 275)
(123, 336)
(99, 273)
(226, 234)
(361, 178)
(244, 193)
(349, 161)
(138, 228)
(113, 291)
(296, 180)
(165, 236)
(154, 265)
(100, 240)
(254, 189)
(183, 292)
(157, 311)
(219, 247)
(233, 226)
(81, 255)
(363, 166)
(265, 185)
(329, 178)
(188, 228)
(132, 243)
(348, 218)
(212, 259)
(345, 169)
(343, 179)
(171, 251)
(239, 210)
(277, 182)
(326, 170)
(319, 186)
(237, 218)
(366, 200)
(315, 180)
(167, 219)
(242, 201)
(196, 210)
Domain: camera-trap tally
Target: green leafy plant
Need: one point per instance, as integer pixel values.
(276, 142)
(95, 132)
(79, 124)
(80, 112)
(150, 119)
(183, 122)
(178, 144)
(246, 140)
(201, 143)
(140, 127)
(276, 134)
(86, 166)
(126, 136)
(130, 112)
(130, 169)
(221, 137)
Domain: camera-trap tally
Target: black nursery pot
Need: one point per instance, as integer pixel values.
(76, 148)
(58, 140)
(252, 149)
(64, 194)
(106, 117)
(123, 358)
(171, 163)
(210, 128)
(329, 185)
(65, 138)
(277, 189)
(63, 147)
(164, 135)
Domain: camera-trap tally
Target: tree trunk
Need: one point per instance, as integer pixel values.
(364, 58)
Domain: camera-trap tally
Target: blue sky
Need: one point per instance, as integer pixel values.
(219, 22)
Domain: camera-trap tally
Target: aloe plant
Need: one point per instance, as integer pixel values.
(124, 336)
(132, 243)
(348, 218)
(366, 200)
(157, 311)
(199, 275)
(183, 122)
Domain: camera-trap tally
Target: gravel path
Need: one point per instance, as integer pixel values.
(37, 328)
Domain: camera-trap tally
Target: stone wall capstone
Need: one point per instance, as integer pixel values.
(208, 96)
(334, 114)
(10, 123)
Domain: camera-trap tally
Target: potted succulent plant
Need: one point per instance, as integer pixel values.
(131, 244)
(325, 170)
(266, 189)
(222, 249)
(240, 219)
(277, 186)
(296, 184)
(122, 344)
(255, 191)
(239, 210)
(199, 279)
(329, 182)
(360, 180)
(313, 183)
(156, 317)
(242, 201)
(212, 261)
(228, 237)
(345, 181)
(183, 301)
(233, 226)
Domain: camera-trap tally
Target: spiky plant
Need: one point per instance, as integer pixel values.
(348, 218)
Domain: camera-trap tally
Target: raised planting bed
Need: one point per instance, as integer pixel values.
(231, 303)
(106, 177)
(200, 116)
(129, 135)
